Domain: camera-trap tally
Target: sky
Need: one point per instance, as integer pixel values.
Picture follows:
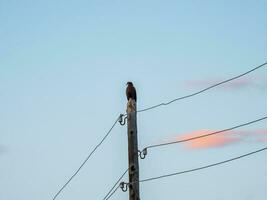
(64, 66)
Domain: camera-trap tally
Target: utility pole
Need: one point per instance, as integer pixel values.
(133, 150)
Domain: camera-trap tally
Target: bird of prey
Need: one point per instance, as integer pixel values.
(130, 91)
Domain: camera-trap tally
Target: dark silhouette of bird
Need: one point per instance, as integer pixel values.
(130, 91)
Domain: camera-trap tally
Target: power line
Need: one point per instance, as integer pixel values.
(87, 158)
(206, 135)
(162, 104)
(106, 197)
(112, 193)
(203, 90)
(200, 168)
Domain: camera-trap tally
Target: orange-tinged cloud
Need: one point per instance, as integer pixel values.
(221, 139)
(212, 141)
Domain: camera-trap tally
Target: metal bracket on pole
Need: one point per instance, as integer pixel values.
(122, 120)
(143, 153)
(124, 186)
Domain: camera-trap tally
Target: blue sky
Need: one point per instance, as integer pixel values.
(63, 70)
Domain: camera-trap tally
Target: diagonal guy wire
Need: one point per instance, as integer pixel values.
(105, 198)
(87, 158)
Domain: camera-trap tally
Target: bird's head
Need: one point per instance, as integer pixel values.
(129, 83)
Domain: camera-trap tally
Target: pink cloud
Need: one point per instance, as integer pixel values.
(235, 84)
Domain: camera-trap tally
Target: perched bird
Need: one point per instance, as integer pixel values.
(130, 91)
